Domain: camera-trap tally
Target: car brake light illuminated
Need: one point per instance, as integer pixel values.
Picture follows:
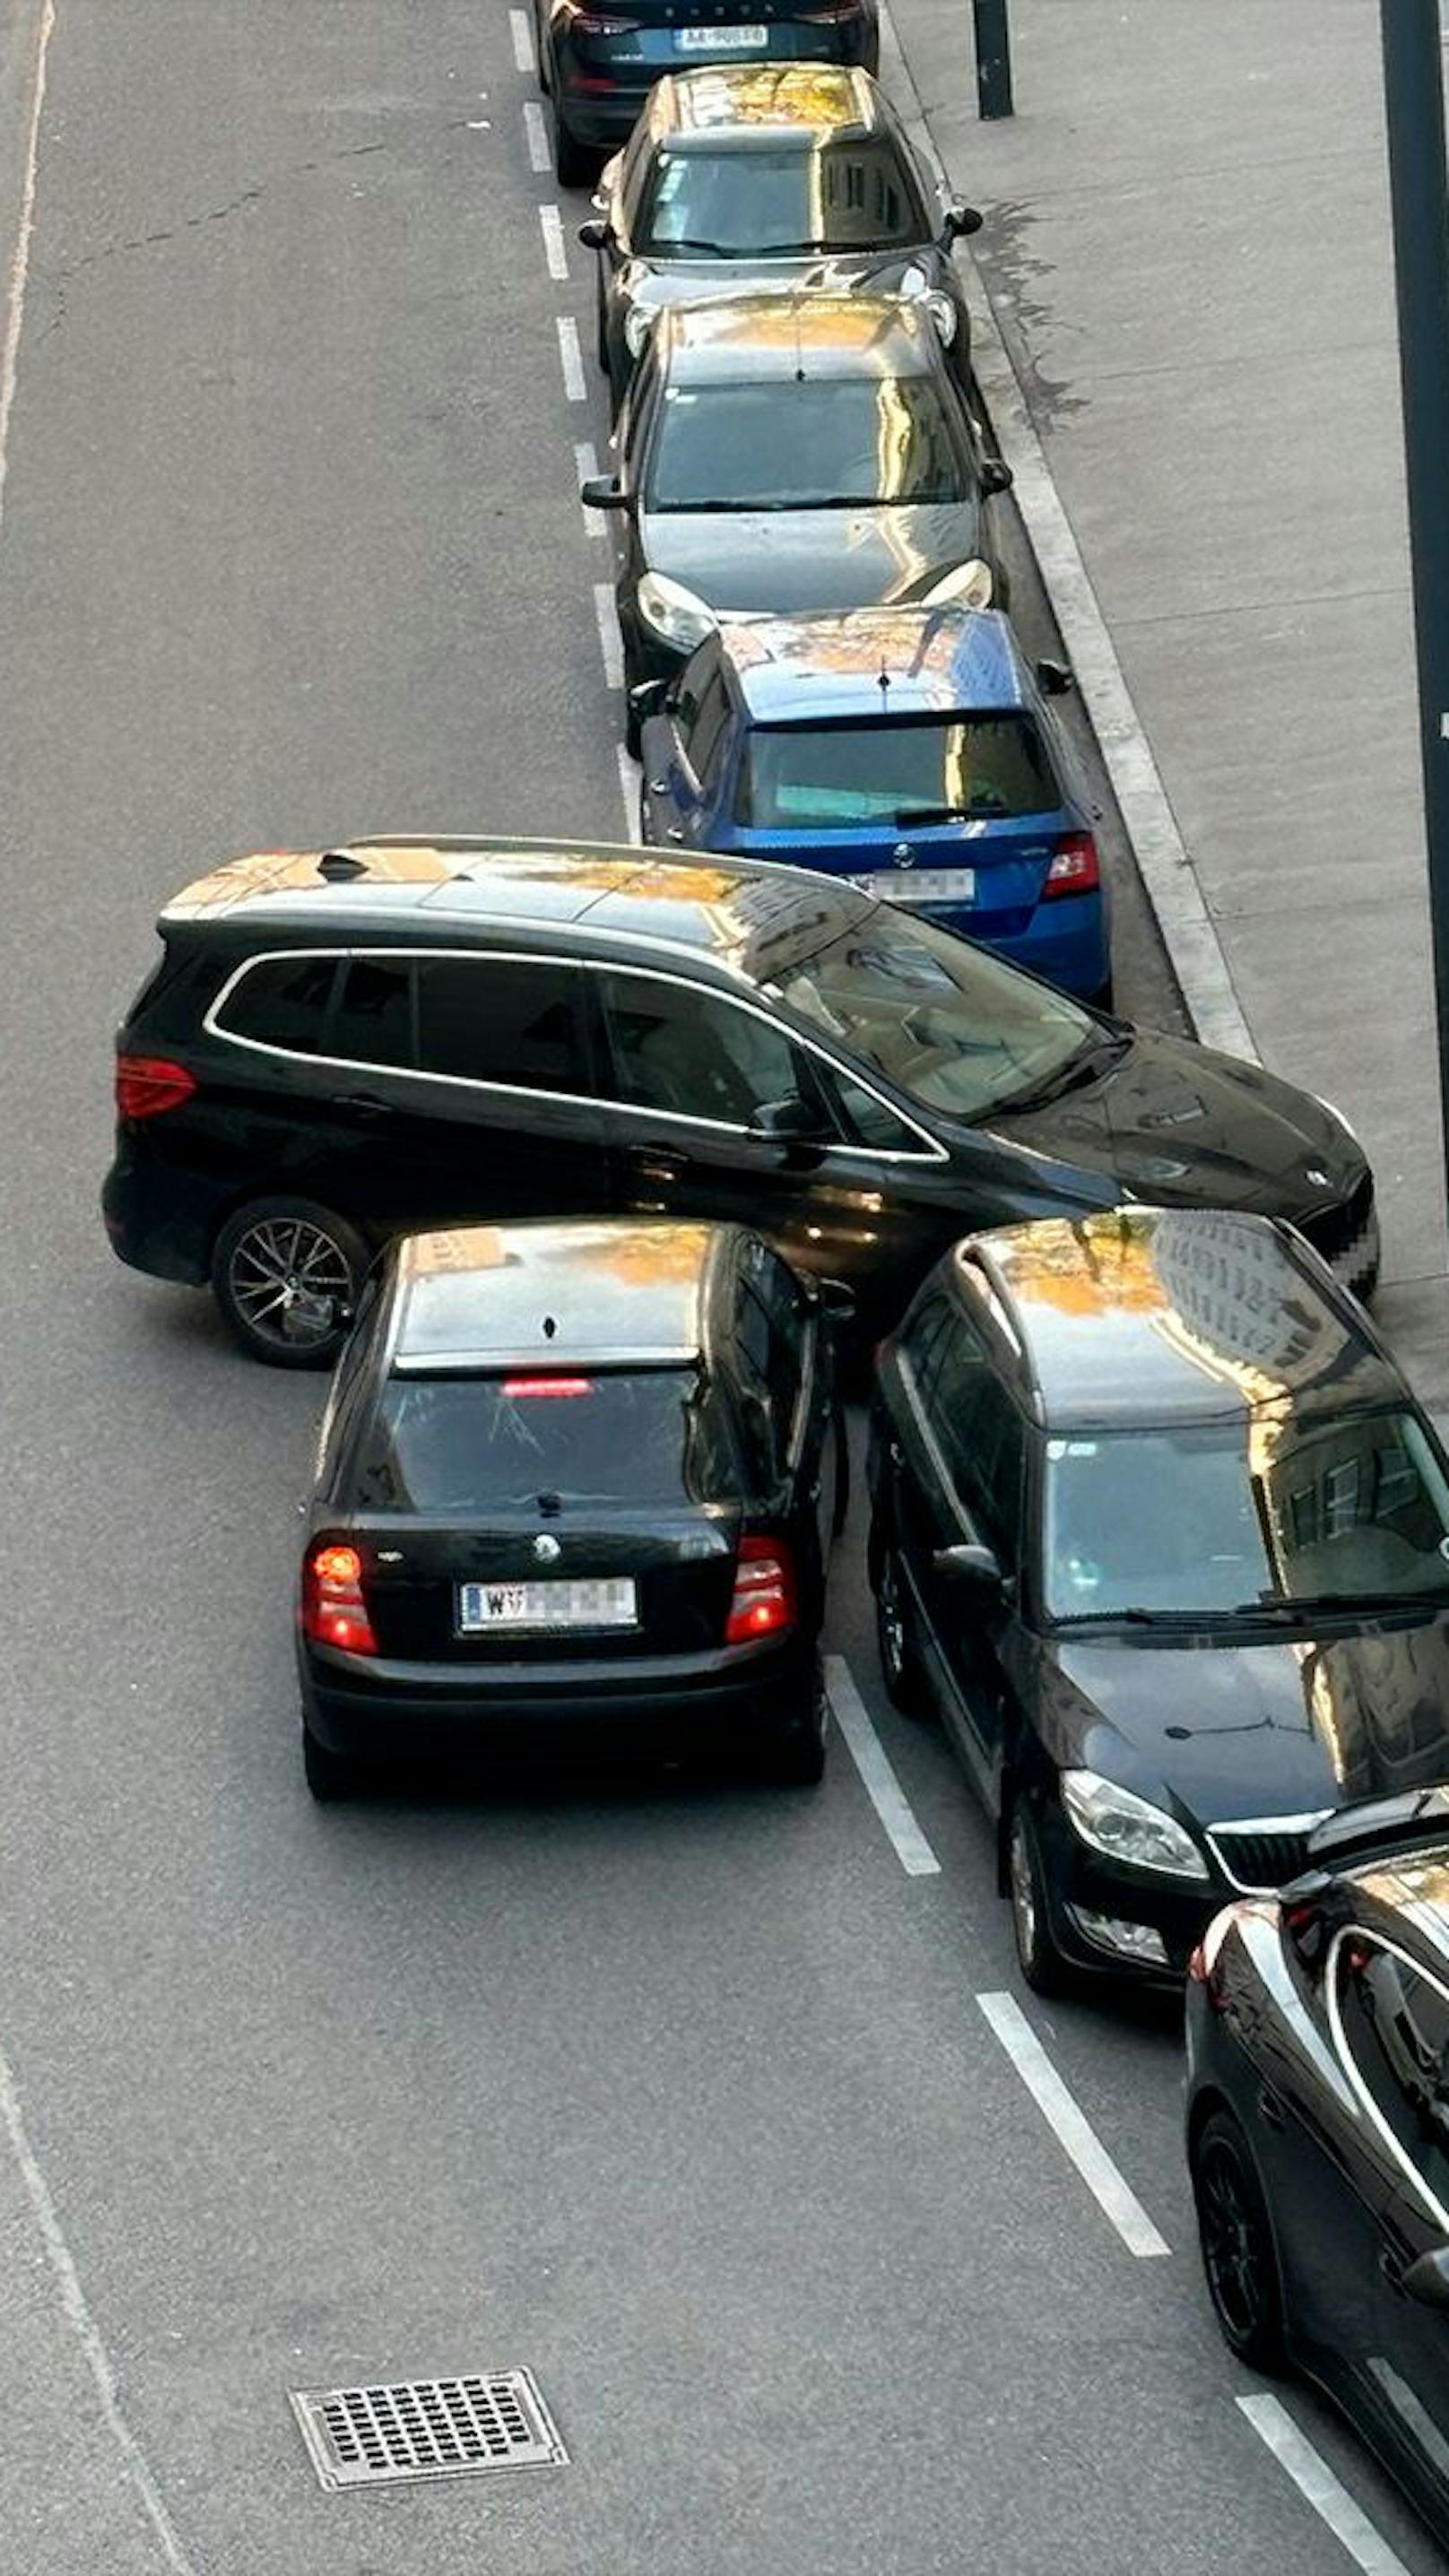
(1075, 868)
(148, 1084)
(518, 1386)
(334, 1610)
(764, 1594)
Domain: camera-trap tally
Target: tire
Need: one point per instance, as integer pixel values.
(797, 1757)
(633, 729)
(329, 1776)
(899, 1663)
(574, 163)
(601, 334)
(314, 1261)
(540, 55)
(1235, 2235)
(1039, 1959)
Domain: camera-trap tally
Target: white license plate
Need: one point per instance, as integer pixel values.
(586, 1602)
(922, 885)
(721, 40)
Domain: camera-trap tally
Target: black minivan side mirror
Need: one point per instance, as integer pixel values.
(595, 234)
(838, 1301)
(647, 698)
(978, 1566)
(961, 219)
(1053, 679)
(603, 492)
(996, 475)
(1427, 2279)
(792, 1121)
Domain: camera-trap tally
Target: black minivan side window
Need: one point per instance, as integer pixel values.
(1395, 2025)
(677, 1048)
(980, 1435)
(281, 1002)
(372, 1018)
(515, 1021)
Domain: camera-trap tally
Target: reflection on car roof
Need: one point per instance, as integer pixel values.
(547, 1296)
(815, 101)
(934, 661)
(793, 338)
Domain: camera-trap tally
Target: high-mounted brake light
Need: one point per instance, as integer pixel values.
(1075, 868)
(334, 1608)
(517, 1386)
(764, 1594)
(148, 1084)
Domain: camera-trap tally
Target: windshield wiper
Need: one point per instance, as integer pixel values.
(1089, 1059)
(1288, 1610)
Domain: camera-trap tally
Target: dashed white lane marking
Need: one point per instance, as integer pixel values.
(586, 458)
(630, 779)
(1317, 2484)
(73, 2301)
(522, 35)
(610, 641)
(554, 252)
(20, 262)
(537, 135)
(1074, 2130)
(571, 358)
(881, 1785)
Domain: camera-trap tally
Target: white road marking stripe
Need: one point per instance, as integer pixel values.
(73, 2300)
(1074, 2130)
(881, 1785)
(537, 135)
(20, 264)
(611, 643)
(553, 242)
(586, 459)
(1317, 2484)
(522, 35)
(571, 358)
(630, 777)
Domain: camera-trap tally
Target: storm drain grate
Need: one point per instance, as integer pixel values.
(427, 2428)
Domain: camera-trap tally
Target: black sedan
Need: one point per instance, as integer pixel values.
(574, 1480)
(1318, 2130)
(787, 453)
(750, 181)
(1160, 1531)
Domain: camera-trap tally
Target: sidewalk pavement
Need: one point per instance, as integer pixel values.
(1187, 251)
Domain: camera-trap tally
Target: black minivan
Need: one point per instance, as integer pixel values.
(338, 1048)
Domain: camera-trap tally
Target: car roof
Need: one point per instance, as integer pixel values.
(739, 104)
(747, 919)
(553, 1296)
(1144, 1316)
(938, 661)
(793, 338)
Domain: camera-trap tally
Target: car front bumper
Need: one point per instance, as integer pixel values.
(1086, 1891)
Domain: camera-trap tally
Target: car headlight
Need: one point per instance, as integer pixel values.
(638, 323)
(1128, 1828)
(914, 280)
(969, 586)
(671, 611)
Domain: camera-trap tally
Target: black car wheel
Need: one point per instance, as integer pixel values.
(1040, 1961)
(601, 327)
(899, 1663)
(797, 1758)
(574, 163)
(329, 1775)
(1237, 2244)
(285, 1273)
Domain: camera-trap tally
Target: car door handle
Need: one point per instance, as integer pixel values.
(896, 1454)
(658, 786)
(1270, 2109)
(673, 832)
(364, 1104)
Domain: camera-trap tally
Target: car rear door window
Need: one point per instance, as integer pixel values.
(1395, 2026)
(981, 1437)
(693, 1054)
(511, 1021)
(281, 1002)
(701, 741)
(372, 1022)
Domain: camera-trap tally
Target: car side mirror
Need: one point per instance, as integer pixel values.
(1427, 2279)
(960, 220)
(1054, 679)
(838, 1301)
(604, 492)
(649, 698)
(596, 234)
(790, 1121)
(977, 1566)
(996, 475)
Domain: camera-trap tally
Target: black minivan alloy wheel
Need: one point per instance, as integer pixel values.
(285, 1274)
(1236, 2236)
(1038, 1957)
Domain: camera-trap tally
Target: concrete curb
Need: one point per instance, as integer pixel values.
(1167, 872)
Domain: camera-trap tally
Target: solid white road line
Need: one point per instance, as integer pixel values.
(611, 643)
(571, 358)
(630, 779)
(536, 134)
(881, 1785)
(20, 262)
(586, 459)
(522, 35)
(73, 2300)
(1316, 2482)
(1074, 2130)
(553, 243)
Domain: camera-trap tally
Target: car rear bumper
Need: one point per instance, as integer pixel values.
(600, 90)
(161, 1220)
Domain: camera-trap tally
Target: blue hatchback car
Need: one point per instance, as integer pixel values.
(911, 747)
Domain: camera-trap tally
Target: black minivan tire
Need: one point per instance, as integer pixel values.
(259, 1241)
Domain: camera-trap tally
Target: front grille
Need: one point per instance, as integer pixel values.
(1260, 1858)
(427, 2428)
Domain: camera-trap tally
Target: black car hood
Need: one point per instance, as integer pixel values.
(1180, 1125)
(783, 561)
(1275, 1725)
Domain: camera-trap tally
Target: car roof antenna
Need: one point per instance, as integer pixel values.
(799, 352)
(340, 866)
(549, 1328)
(883, 682)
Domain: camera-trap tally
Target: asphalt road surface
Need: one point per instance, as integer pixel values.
(681, 2095)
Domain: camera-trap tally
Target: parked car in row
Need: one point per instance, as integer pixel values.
(596, 64)
(1318, 2129)
(792, 452)
(766, 181)
(575, 1481)
(911, 751)
(334, 1048)
(1159, 1529)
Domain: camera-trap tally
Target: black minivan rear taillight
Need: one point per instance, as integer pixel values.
(148, 1085)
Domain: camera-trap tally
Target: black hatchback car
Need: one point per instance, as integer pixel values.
(334, 1049)
(1160, 1530)
(750, 182)
(1318, 2130)
(573, 1477)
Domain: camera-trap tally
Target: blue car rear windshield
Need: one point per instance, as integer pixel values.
(780, 204)
(829, 443)
(473, 1445)
(980, 769)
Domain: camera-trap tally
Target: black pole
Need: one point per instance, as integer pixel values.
(993, 57)
(1414, 110)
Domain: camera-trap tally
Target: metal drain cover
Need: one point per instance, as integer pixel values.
(427, 2428)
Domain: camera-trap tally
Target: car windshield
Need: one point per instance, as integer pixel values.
(910, 770)
(474, 1445)
(1243, 1516)
(780, 203)
(824, 443)
(949, 1025)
